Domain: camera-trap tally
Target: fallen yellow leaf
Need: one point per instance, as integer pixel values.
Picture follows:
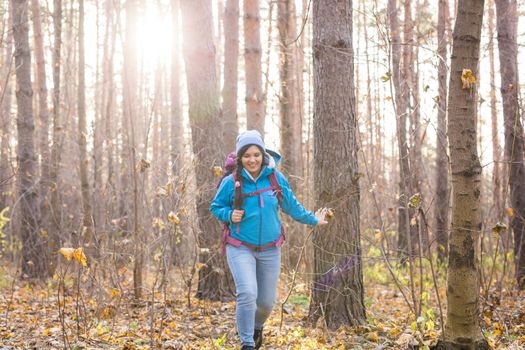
(510, 212)
(372, 336)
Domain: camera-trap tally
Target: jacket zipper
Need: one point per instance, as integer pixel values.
(260, 215)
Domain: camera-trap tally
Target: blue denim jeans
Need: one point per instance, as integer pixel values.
(255, 275)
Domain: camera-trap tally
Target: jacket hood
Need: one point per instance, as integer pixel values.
(273, 158)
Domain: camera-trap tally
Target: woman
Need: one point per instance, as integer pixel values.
(248, 201)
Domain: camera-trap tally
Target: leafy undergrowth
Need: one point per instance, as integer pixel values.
(102, 317)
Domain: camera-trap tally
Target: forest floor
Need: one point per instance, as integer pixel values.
(47, 316)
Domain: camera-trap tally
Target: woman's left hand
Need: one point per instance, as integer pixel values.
(320, 214)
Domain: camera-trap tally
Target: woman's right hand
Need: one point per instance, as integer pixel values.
(237, 216)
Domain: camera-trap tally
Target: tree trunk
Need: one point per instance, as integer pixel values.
(108, 110)
(175, 91)
(129, 195)
(411, 79)
(5, 113)
(252, 57)
(441, 208)
(55, 208)
(97, 124)
(42, 100)
(231, 63)
(291, 123)
(87, 220)
(401, 107)
(34, 257)
(215, 282)
(338, 290)
(462, 329)
(507, 24)
(496, 147)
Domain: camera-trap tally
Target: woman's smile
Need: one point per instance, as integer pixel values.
(252, 160)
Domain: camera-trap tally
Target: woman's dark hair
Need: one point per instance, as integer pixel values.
(238, 197)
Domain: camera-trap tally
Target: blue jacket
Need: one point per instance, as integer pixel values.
(259, 225)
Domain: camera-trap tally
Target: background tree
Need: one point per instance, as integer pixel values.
(442, 197)
(507, 24)
(55, 206)
(400, 104)
(33, 250)
(6, 171)
(231, 64)
(496, 147)
(252, 62)
(338, 288)
(87, 220)
(204, 113)
(462, 329)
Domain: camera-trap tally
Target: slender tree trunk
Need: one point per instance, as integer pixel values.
(215, 283)
(97, 123)
(5, 111)
(42, 99)
(129, 182)
(56, 149)
(372, 156)
(231, 63)
(507, 24)
(338, 289)
(252, 57)
(442, 198)
(462, 329)
(410, 78)
(87, 220)
(496, 147)
(401, 107)
(34, 257)
(109, 106)
(291, 123)
(175, 91)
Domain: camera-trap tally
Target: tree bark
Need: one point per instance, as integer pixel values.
(55, 207)
(34, 257)
(252, 57)
(507, 24)
(109, 102)
(87, 219)
(338, 289)
(215, 282)
(5, 113)
(291, 123)
(231, 63)
(401, 107)
(42, 100)
(441, 209)
(462, 329)
(496, 147)
(129, 191)
(175, 92)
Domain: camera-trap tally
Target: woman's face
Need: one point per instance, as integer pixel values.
(252, 160)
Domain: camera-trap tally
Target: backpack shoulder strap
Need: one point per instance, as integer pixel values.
(277, 187)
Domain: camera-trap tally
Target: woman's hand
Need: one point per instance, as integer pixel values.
(320, 214)
(237, 216)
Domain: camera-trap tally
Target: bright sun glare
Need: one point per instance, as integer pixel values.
(154, 36)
